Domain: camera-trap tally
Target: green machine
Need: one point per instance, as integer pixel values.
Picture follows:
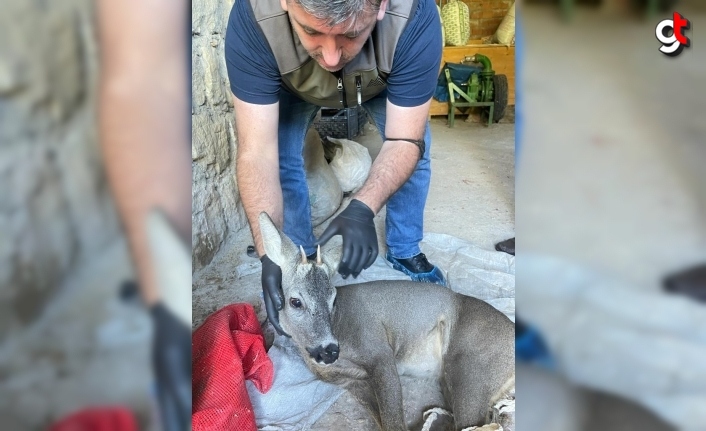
(482, 89)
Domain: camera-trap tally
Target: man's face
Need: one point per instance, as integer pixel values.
(332, 47)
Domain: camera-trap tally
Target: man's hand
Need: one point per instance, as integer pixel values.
(360, 242)
(272, 291)
(171, 361)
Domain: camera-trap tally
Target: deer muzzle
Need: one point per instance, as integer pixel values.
(326, 355)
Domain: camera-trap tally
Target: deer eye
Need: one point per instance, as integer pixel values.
(295, 302)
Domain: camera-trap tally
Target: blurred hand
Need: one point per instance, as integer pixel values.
(360, 243)
(171, 361)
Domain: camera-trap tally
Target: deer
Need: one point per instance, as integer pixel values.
(363, 337)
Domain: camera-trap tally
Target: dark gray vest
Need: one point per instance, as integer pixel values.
(360, 80)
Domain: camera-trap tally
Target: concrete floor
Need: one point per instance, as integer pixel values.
(472, 194)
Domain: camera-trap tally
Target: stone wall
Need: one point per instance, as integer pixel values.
(216, 209)
(55, 210)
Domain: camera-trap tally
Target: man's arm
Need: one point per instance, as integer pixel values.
(392, 168)
(255, 82)
(145, 136)
(257, 164)
(410, 86)
(144, 123)
(257, 174)
(397, 159)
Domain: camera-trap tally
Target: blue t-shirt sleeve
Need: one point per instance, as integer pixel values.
(415, 65)
(252, 68)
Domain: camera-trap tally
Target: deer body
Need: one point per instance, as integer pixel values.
(363, 337)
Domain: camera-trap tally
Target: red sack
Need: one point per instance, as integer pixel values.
(227, 349)
(98, 419)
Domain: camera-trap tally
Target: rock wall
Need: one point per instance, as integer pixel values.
(216, 209)
(55, 210)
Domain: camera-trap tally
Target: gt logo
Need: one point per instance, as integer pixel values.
(673, 44)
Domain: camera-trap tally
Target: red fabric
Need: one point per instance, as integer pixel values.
(98, 419)
(227, 349)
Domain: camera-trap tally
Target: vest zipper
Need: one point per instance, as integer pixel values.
(359, 88)
(341, 92)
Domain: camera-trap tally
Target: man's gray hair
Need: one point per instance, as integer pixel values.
(337, 11)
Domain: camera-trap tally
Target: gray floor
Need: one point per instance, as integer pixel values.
(472, 191)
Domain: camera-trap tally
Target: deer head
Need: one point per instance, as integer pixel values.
(308, 292)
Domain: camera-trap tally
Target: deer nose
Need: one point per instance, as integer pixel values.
(327, 355)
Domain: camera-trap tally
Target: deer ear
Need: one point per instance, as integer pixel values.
(278, 247)
(331, 255)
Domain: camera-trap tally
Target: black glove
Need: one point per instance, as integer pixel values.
(360, 242)
(272, 291)
(171, 361)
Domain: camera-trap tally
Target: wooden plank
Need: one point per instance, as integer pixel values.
(501, 56)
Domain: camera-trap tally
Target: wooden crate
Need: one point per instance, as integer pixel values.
(501, 56)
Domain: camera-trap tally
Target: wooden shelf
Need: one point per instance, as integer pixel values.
(501, 56)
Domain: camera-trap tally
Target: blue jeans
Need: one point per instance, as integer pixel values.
(404, 224)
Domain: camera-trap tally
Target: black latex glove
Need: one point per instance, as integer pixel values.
(272, 291)
(171, 362)
(360, 242)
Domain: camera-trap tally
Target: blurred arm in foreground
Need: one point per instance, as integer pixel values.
(144, 133)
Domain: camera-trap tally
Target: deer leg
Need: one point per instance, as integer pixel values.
(386, 385)
(466, 394)
(362, 392)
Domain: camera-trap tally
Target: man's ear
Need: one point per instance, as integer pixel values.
(381, 11)
(283, 3)
(278, 247)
